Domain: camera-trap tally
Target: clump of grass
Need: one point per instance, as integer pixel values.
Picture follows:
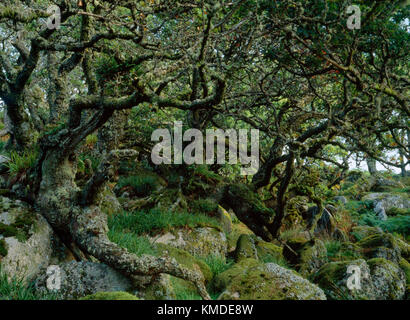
(15, 289)
(217, 263)
(269, 258)
(141, 186)
(333, 248)
(205, 206)
(155, 220)
(21, 162)
(138, 245)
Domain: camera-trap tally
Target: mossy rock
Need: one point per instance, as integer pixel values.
(238, 229)
(116, 295)
(185, 258)
(350, 251)
(222, 280)
(184, 290)
(269, 252)
(405, 266)
(388, 279)
(251, 280)
(332, 278)
(245, 248)
(381, 246)
(404, 248)
(361, 232)
(312, 257)
(250, 246)
(225, 219)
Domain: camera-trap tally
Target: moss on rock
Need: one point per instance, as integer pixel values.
(118, 295)
(185, 258)
(252, 280)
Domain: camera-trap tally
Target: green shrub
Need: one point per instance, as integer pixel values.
(21, 162)
(142, 185)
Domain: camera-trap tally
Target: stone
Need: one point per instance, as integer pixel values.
(340, 199)
(225, 219)
(381, 246)
(28, 242)
(383, 202)
(245, 248)
(379, 279)
(252, 280)
(79, 279)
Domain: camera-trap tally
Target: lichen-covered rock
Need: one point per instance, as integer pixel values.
(383, 202)
(379, 279)
(388, 279)
(27, 241)
(110, 296)
(381, 246)
(79, 279)
(333, 277)
(252, 280)
(202, 241)
(405, 266)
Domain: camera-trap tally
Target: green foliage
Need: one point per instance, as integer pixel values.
(206, 206)
(142, 186)
(398, 224)
(138, 245)
(155, 220)
(20, 228)
(392, 212)
(333, 247)
(15, 289)
(20, 162)
(218, 264)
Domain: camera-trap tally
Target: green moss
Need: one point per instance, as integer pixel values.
(378, 240)
(405, 266)
(185, 258)
(20, 228)
(245, 248)
(237, 270)
(184, 290)
(118, 295)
